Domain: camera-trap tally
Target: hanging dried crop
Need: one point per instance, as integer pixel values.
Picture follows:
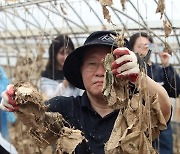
(45, 127)
(23, 68)
(106, 14)
(69, 140)
(167, 48)
(104, 4)
(167, 28)
(123, 4)
(160, 7)
(29, 68)
(119, 39)
(138, 123)
(114, 89)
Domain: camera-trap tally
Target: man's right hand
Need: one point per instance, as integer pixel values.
(7, 102)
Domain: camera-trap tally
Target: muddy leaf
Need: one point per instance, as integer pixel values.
(44, 127)
(160, 7)
(167, 28)
(68, 140)
(113, 144)
(136, 143)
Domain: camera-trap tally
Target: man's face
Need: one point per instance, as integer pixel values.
(141, 46)
(93, 70)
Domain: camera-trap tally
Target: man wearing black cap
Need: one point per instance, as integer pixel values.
(84, 69)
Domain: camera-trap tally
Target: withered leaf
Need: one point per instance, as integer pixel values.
(108, 89)
(113, 144)
(160, 7)
(167, 28)
(106, 2)
(45, 127)
(156, 114)
(136, 143)
(69, 140)
(167, 48)
(134, 128)
(106, 14)
(123, 4)
(119, 39)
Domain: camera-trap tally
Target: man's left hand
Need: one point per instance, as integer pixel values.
(125, 65)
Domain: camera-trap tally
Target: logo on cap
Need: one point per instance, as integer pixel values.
(106, 38)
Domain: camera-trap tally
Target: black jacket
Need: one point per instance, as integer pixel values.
(167, 77)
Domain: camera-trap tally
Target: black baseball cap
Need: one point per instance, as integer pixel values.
(74, 60)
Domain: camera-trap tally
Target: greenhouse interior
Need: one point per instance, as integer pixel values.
(29, 31)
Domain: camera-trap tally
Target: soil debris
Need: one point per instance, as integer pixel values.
(46, 128)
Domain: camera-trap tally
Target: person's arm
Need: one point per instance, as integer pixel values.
(163, 98)
(61, 88)
(126, 66)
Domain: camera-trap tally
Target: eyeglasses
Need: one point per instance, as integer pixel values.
(91, 66)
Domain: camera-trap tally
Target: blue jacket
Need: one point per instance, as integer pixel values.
(5, 117)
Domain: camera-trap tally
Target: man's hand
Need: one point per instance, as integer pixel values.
(7, 102)
(125, 65)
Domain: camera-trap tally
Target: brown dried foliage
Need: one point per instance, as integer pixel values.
(160, 7)
(139, 122)
(167, 28)
(69, 140)
(123, 4)
(104, 4)
(44, 127)
(113, 89)
(134, 128)
(23, 142)
(167, 48)
(106, 14)
(28, 67)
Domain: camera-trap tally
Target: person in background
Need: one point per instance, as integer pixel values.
(5, 117)
(90, 112)
(165, 75)
(52, 82)
(6, 147)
